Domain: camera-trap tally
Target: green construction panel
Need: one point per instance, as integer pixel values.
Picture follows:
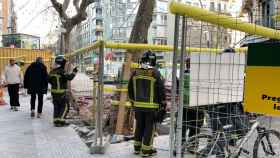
(263, 54)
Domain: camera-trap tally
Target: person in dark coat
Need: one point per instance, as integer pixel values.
(36, 83)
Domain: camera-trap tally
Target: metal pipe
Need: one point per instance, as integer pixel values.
(222, 20)
(181, 91)
(159, 48)
(85, 49)
(174, 87)
(100, 88)
(167, 48)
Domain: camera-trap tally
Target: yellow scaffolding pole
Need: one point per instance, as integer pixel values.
(153, 47)
(222, 20)
(85, 49)
(166, 48)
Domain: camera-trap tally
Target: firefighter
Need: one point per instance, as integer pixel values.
(58, 79)
(146, 92)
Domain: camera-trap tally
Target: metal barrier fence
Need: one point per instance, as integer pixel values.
(92, 85)
(207, 117)
(215, 115)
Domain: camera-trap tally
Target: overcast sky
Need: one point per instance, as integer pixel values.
(35, 19)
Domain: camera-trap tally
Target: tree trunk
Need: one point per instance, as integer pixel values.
(143, 20)
(138, 34)
(66, 38)
(68, 69)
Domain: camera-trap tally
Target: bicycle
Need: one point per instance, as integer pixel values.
(220, 144)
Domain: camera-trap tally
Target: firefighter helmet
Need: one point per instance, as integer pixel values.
(60, 60)
(149, 58)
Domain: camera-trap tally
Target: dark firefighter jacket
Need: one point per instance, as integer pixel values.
(146, 89)
(58, 79)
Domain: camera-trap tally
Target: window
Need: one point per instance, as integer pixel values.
(163, 19)
(154, 17)
(196, 4)
(99, 11)
(266, 14)
(212, 6)
(99, 22)
(225, 7)
(98, 33)
(160, 41)
(219, 7)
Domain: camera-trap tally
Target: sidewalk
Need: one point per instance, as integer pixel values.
(23, 137)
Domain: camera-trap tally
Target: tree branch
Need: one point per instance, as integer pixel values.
(76, 5)
(81, 12)
(58, 7)
(65, 5)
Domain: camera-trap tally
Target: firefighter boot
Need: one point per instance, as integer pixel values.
(148, 153)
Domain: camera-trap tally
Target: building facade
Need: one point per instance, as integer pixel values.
(7, 17)
(18, 40)
(113, 20)
(261, 12)
(205, 35)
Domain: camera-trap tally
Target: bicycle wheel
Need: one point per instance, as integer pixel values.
(198, 144)
(267, 145)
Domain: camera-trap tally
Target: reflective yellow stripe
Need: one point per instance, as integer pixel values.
(111, 90)
(145, 77)
(146, 147)
(58, 119)
(64, 113)
(58, 90)
(137, 143)
(145, 105)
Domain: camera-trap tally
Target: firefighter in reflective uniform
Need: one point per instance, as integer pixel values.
(146, 92)
(58, 79)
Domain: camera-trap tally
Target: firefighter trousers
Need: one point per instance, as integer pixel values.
(60, 107)
(144, 132)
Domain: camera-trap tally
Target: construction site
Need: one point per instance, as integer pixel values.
(217, 60)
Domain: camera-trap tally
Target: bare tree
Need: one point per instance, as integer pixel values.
(68, 23)
(138, 34)
(143, 20)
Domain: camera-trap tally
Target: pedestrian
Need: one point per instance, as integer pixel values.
(146, 92)
(13, 81)
(58, 79)
(36, 83)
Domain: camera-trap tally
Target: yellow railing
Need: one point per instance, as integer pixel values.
(222, 20)
(141, 46)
